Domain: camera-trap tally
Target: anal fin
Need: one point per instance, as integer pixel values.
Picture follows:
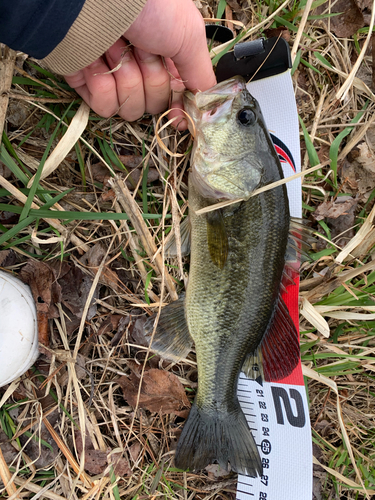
(279, 352)
(172, 339)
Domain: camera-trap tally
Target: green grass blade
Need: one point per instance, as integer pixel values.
(311, 151)
(35, 184)
(221, 8)
(16, 229)
(322, 59)
(13, 167)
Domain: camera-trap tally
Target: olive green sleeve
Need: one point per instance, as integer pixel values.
(97, 27)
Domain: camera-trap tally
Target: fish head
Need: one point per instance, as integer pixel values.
(230, 140)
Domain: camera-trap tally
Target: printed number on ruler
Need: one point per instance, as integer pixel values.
(276, 414)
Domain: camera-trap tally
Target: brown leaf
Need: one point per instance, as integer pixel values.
(365, 6)
(334, 209)
(216, 472)
(75, 289)
(7, 258)
(46, 292)
(135, 450)
(110, 324)
(359, 180)
(281, 32)
(348, 22)
(96, 461)
(161, 391)
(366, 157)
(92, 260)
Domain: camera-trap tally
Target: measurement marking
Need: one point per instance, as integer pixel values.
(245, 492)
(246, 484)
(245, 402)
(249, 414)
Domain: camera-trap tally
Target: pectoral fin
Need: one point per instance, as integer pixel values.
(217, 238)
(278, 353)
(172, 339)
(185, 232)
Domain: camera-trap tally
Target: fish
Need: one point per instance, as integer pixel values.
(232, 310)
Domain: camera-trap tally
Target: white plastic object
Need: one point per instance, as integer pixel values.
(18, 328)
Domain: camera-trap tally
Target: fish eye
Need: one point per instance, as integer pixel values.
(246, 117)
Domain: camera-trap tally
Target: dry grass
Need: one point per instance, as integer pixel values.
(76, 386)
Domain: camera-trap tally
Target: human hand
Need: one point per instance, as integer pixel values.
(172, 29)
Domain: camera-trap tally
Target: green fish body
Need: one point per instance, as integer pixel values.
(232, 310)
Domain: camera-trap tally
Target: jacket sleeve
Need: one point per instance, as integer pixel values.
(67, 34)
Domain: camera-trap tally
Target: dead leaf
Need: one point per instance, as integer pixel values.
(334, 209)
(216, 472)
(366, 157)
(7, 258)
(281, 32)
(161, 391)
(8, 217)
(46, 292)
(136, 331)
(96, 461)
(365, 6)
(132, 163)
(359, 181)
(135, 450)
(348, 22)
(92, 260)
(110, 324)
(75, 289)
(80, 369)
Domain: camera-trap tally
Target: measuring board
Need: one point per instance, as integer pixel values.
(277, 412)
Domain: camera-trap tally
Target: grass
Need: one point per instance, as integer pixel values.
(75, 203)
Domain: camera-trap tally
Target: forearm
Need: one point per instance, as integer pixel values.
(67, 34)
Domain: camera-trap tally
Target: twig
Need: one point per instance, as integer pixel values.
(300, 29)
(6, 74)
(263, 189)
(6, 476)
(130, 206)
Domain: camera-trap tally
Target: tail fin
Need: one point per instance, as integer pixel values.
(209, 435)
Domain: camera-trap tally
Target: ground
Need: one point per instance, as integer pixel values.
(95, 279)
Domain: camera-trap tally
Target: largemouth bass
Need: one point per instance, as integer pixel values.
(232, 311)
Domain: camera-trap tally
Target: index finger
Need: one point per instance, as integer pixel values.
(193, 61)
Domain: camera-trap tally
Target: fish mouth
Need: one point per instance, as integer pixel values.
(215, 96)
